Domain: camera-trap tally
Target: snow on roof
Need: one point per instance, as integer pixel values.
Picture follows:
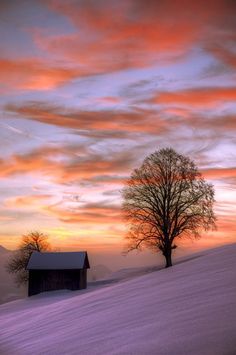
(58, 261)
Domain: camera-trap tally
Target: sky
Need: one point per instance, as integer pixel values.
(88, 89)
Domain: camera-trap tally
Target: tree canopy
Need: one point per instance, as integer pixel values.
(34, 241)
(166, 199)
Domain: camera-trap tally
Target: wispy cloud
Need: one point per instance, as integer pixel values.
(136, 120)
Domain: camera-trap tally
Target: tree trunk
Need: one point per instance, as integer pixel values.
(168, 257)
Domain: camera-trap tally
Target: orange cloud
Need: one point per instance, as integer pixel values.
(91, 168)
(92, 214)
(31, 163)
(33, 74)
(219, 173)
(111, 36)
(226, 224)
(137, 120)
(98, 166)
(26, 201)
(196, 97)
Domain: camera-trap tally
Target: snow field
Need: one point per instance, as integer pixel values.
(187, 309)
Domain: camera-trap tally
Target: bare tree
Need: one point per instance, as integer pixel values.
(34, 241)
(166, 199)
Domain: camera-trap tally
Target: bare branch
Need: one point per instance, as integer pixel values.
(34, 241)
(166, 198)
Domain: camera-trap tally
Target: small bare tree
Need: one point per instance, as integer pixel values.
(34, 241)
(166, 199)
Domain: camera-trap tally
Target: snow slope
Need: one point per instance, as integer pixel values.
(188, 309)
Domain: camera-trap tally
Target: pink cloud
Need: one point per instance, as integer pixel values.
(33, 74)
(137, 120)
(26, 201)
(197, 97)
(111, 36)
(92, 214)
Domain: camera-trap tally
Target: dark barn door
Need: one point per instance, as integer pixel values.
(60, 279)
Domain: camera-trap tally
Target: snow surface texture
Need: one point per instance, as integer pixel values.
(188, 309)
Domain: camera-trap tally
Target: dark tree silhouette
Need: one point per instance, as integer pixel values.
(34, 241)
(166, 199)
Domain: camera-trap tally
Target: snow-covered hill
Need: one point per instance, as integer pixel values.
(187, 309)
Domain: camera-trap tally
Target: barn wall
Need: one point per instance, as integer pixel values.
(83, 279)
(49, 280)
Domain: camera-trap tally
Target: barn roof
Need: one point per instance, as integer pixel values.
(58, 261)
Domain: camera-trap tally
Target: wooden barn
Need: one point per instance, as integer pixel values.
(56, 271)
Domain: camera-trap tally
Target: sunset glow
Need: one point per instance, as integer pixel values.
(89, 89)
